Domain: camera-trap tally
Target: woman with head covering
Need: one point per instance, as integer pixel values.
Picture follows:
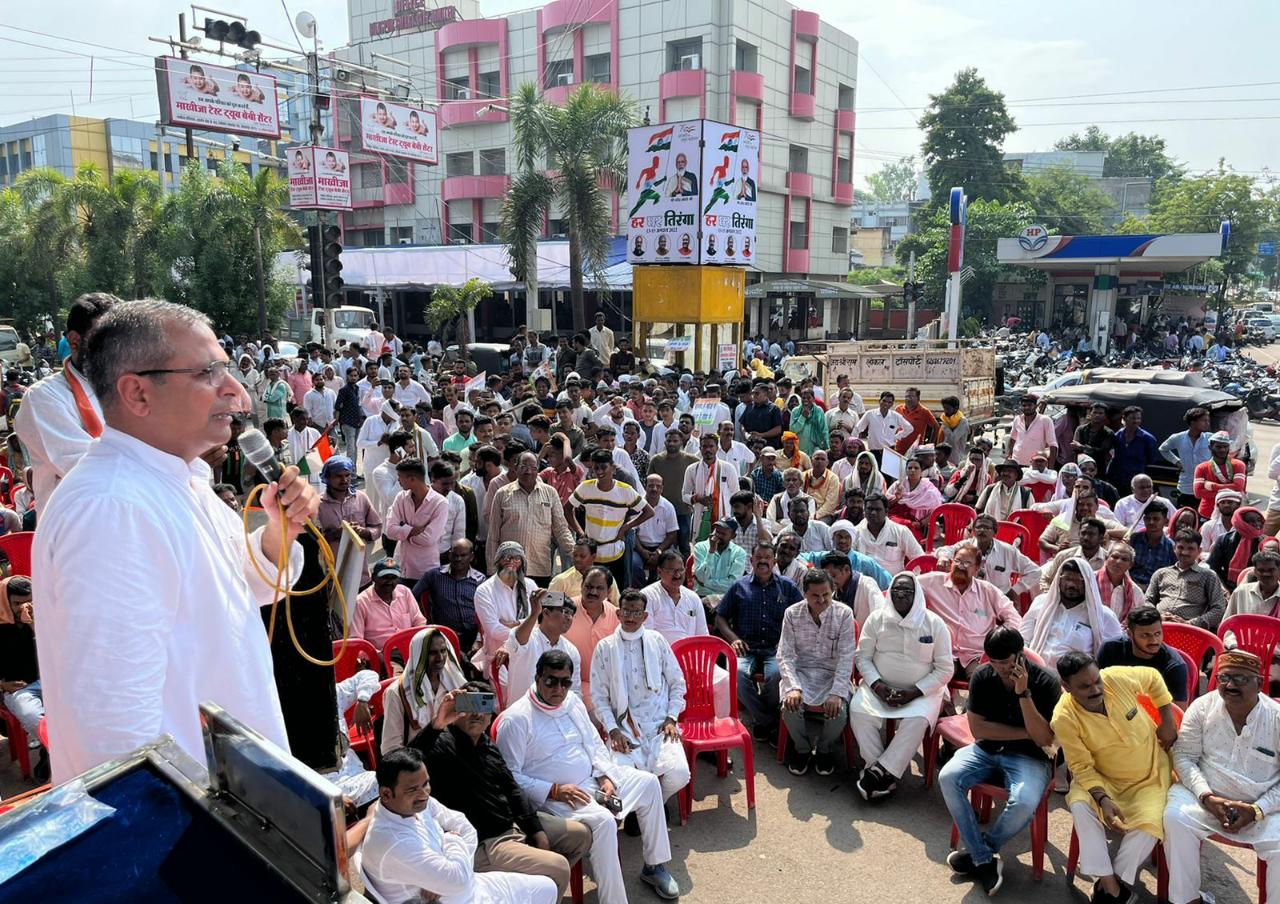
(1234, 550)
(1070, 615)
(967, 483)
(411, 701)
(1068, 474)
(912, 498)
(1185, 517)
(502, 602)
(250, 378)
(331, 379)
(904, 659)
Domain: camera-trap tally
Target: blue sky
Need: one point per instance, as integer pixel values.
(1097, 62)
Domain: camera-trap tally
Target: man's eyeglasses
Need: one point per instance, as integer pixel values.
(1235, 679)
(631, 613)
(215, 372)
(552, 681)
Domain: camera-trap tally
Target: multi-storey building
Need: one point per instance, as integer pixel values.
(762, 64)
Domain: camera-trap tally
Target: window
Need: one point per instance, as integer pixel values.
(597, 69)
(844, 170)
(212, 162)
(126, 153)
(489, 233)
(685, 54)
(803, 81)
(839, 239)
(799, 237)
(362, 238)
(489, 84)
(559, 72)
(798, 158)
(744, 57)
(459, 233)
(155, 162)
(397, 171)
(457, 88)
(493, 162)
(461, 163)
(844, 99)
(557, 228)
(400, 235)
(38, 152)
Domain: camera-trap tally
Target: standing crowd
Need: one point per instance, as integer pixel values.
(560, 535)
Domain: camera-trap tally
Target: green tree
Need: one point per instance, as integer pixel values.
(48, 245)
(1201, 203)
(988, 221)
(869, 276)
(453, 304)
(567, 159)
(119, 227)
(964, 128)
(1131, 155)
(895, 181)
(1066, 201)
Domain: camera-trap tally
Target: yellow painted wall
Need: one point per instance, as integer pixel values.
(89, 142)
(679, 294)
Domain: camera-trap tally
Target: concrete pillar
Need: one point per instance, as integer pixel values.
(1102, 305)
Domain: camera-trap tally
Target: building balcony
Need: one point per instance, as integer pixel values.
(563, 13)
(471, 33)
(747, 85)
(842, 192)
(454, 113)
(802, 105)
(682, 83)
(795, 260)
(800, 185)
(456, 188)
(559, 94)
(845, 120)
(399, 192)
(805, 24)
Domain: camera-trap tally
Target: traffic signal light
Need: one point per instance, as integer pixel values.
(331, 260)
(233, 32)
(316, 265)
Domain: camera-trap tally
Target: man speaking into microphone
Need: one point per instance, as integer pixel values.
(148, 599)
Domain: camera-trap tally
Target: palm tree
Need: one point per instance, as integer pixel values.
(119, 227)
(584, 148)
(49, 243)
(261, 199)
(454, 303)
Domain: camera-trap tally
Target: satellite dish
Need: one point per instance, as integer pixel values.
(306, 24)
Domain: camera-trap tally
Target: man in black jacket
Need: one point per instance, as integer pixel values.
(468, 774)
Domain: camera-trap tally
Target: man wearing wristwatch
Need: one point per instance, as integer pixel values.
(1119, 770)
(1229, 771)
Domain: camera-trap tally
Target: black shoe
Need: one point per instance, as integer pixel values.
(991, 875)
(798, 763)
(631, 825)
(761, 733)
(42, 773)
(961, 863)
(824, 764)
(875, 784)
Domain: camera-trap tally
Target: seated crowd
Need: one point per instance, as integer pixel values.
(555, 539)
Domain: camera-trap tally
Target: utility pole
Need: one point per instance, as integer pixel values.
(182, 52)
(911, 300)
(317, 248)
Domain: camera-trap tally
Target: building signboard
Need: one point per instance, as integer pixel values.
(217, 99)
(390, 128)
(319, 178)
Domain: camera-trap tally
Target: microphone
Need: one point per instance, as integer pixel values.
(257, 449)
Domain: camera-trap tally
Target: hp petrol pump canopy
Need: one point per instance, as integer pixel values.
(398, 130)
(319, 178)
(691, 193)
(217, 99)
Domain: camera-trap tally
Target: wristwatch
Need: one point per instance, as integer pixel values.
(1258, 815)
(1025, 694)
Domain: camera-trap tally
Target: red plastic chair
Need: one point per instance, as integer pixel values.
(982, 797)
(1040, 490)
(1195, 642)
(701, 730)
(1016, 535)
(847, 738)
(1193, 674)
(400, 642)
(955, 518)
(366, 741)
(357, 650)
(923, 564)
(1162, 870)
(1035, 523)
(688, 572)
(17, 549)
(495, 679)
(18, 742)
(1256, 634)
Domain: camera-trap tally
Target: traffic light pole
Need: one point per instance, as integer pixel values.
(182, 38)
(911, 298)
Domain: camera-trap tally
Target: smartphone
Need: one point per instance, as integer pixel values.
(554, 599)
(475, 702)
(609, 802)
(1233, 814)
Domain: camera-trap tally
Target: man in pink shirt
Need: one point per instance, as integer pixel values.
(386, 607)
(970, 607)
(1032, 432)
(416, 521)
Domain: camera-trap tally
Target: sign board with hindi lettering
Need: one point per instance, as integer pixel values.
(217, 99)
(400, 131)
(319, 178)
(692, 193)
(704, 414)
(727, 356)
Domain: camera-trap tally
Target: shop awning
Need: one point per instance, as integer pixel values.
(816, 287)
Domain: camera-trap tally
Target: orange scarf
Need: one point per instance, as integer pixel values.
(88, 417)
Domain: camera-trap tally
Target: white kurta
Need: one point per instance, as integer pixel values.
(356, 782)
(49, 425)
(674, 619)
(149, 606)
(372, 430)
(495, 603)
(435, 851)
(893, 547)
(523, 661)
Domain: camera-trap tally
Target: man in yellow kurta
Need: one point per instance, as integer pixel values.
(1120, 772)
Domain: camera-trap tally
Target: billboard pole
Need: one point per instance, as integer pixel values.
(182, 52)
(955, 261)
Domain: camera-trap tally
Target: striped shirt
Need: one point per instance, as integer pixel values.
(603, 513)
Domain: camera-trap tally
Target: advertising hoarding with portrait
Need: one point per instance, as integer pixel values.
(662, 193)
(730, 174)
(319, 178)
(217, 99)
(390, 128)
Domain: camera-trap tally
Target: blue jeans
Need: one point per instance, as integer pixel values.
(763, 705)
(1024, 777)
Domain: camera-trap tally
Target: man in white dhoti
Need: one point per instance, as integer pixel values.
(356, 782)
(904, 657)
(815, 662)
(637, 694)
(417, 849)
(542, 630)
(563, 767)
(1229, 775)
(1070, 615)
(137, 523)
(61, 415)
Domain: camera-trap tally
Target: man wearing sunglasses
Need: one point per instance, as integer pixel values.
(564, 768)
(1229, 777)
(136, 522)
